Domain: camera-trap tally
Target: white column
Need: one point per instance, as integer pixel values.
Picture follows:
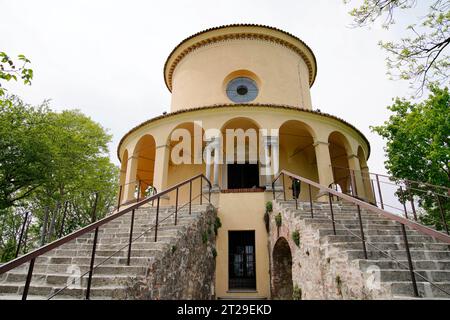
(216, 145)
(208, 159)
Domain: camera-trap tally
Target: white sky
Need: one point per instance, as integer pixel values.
(106, 57)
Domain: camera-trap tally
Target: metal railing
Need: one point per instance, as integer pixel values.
(32, 256)
(395, 195)
(330, 193)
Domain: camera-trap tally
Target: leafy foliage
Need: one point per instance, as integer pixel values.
(418, 148)
(269, 206)
(51, 164)
(422, 57)
(217, 225)
(9, 70)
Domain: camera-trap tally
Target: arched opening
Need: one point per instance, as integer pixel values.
(282, 287)
(339, 151)
(240, 145)
(186, 146)
(123, 174)
(297, 154)
(144, 153)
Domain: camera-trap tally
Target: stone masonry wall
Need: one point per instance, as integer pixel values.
(186, 270)
(319, 269)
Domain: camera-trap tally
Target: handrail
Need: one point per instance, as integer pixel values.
(93, 226)
(119, 250)
(405, 193)
(412, 224)
(402, 221)
(393, 178)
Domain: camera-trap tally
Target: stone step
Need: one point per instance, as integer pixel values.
(416, 246)
(426, 290)
(398, 238)
(399, 254)
(442, 276)
(352, 226)
(417, 264)
(106, 269)
(341, 231)
(61, 279)
(107, 252)
(44, 291)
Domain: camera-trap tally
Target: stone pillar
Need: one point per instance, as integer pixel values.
(271, 159)
(323, 166)
(130, 179)
(208, 160)
(161, 168)
(353, 162)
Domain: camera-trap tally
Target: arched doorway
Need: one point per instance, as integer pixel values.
(282, 287)
(297, 153)
(339, 151)
(186, 147)
(145, 154)
(241, 154)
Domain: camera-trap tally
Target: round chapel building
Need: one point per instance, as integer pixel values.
(241, 79)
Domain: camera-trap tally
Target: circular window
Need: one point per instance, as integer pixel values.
(242, 89)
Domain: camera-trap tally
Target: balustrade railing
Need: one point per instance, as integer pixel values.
(84, 235)
(311, 191)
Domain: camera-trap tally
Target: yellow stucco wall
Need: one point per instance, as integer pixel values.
(200, 77)
(239, 212)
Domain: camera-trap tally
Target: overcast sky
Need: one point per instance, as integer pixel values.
(106, 57)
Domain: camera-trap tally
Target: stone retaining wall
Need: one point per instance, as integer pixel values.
(186, 270)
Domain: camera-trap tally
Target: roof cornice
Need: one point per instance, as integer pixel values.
(239, 31)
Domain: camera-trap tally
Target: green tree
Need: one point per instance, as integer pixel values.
(25, 158)
(423, 56)
(418, 147)
(10, 71)
(51, 164)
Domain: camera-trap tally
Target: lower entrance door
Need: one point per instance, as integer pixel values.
(242, 267)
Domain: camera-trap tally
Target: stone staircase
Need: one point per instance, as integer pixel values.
(431, 258)
(111, 280)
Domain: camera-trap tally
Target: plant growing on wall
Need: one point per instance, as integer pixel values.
(217, 225)
(297, 293)
(269, 209)
(278, 219)
(214, 252)
(339, 285)
(296, 238)
(204, 237)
